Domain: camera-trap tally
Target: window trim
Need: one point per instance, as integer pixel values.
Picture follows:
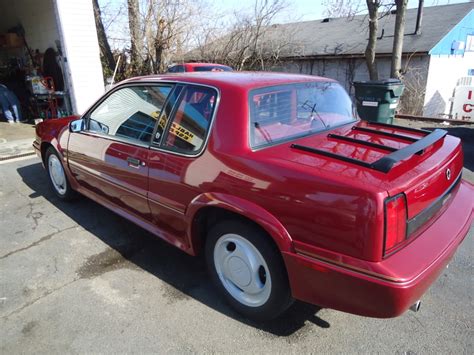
(173, 105)
(86, 115)
(292, 138)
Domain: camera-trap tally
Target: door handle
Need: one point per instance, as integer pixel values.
(134, 162)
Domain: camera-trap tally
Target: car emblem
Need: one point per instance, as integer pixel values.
(448, 174)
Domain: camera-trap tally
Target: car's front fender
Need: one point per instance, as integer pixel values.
(55, 133)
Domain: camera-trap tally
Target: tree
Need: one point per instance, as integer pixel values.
(136, 44)
(160, 29)
(348, 7)
(172, 27)
(252, 42)
(105, 51)
(373, 7)
(341, 8)
(399, 32)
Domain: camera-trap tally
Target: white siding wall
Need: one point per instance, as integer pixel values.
(79, 37)
(444, 72)
(37, 18)
(346, 71)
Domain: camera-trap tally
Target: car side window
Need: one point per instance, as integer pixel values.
(190, 123)
(130, 113)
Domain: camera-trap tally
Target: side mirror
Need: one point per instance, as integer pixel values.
(76, 126)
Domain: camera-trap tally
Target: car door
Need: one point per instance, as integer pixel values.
(186, 122)
(110, 157)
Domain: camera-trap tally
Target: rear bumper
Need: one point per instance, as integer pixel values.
(400, 280)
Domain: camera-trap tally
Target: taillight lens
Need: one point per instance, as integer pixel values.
(395, 222)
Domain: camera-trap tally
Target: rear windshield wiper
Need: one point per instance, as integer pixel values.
(313, 110)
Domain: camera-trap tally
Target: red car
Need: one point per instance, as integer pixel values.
(187, 67)
(274, 178)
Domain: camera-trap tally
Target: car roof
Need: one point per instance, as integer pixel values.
(242, 80)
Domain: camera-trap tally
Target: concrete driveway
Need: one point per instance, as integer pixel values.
(77, 278)
(16, 139)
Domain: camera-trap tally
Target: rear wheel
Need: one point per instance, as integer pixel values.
(57, 175)
(248, 269)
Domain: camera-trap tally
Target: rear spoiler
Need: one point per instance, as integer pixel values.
(386, 163)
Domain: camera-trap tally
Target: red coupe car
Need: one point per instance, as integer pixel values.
(277, 181)
(190, 67)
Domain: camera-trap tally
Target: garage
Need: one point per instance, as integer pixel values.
(49, 60)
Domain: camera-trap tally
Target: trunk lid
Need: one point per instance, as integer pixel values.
(423, 165)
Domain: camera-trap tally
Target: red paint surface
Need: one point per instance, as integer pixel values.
(326, 216)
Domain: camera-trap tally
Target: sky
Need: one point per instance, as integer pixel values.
(298, 10)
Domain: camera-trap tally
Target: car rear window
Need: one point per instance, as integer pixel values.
(281, 113)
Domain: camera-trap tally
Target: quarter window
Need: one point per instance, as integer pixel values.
(191, 121)
(130, 113)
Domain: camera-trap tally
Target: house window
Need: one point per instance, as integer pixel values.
(469, 43)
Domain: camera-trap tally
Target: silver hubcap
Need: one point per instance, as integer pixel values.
(56, 173)
(242, 270)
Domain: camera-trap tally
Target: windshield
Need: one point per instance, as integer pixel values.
(280, 113)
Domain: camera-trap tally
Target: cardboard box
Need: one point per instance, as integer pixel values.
(13, 40)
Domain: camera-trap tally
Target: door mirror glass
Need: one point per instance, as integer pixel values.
(76, 126)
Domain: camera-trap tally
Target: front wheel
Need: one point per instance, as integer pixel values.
(248, 269)
(57, 176)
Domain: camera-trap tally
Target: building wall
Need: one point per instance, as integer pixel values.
(348, 70)
(71, 22)
(448, 65)
(460, 33)
(81, 46)
(444, 73)
(36, 17)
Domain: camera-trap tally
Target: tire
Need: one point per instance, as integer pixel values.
(248, 270)
(57, 176)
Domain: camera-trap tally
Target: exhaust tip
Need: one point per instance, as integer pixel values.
(415, 307)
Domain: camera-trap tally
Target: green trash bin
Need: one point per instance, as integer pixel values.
(378, 99)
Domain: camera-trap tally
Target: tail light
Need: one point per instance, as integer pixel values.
(395, 223)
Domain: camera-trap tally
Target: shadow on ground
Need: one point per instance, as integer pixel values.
(467, 139)
(185, 275)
